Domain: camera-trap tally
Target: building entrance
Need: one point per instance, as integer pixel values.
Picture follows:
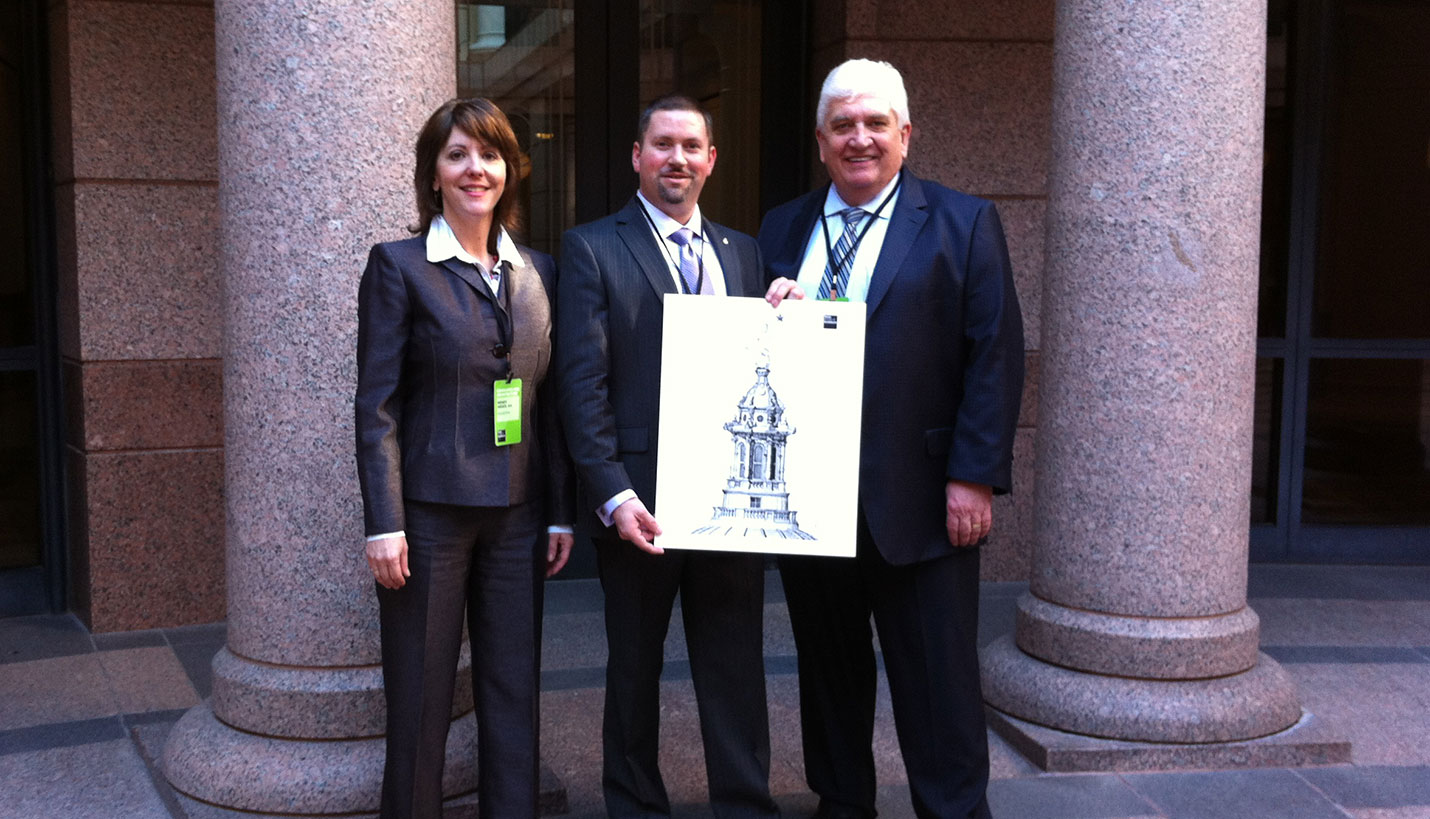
(1343, 395)
(30, 488)
(573, 75)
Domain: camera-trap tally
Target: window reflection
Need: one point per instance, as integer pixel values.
(521, 56)
(1368, 442)
(16, 326)
(1374, 244)
(711, 51)
(1275, 178)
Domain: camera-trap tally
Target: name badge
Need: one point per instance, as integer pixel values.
(506, 411)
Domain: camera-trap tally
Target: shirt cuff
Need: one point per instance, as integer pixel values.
(608, 509)
(560, 529)
(371, 538)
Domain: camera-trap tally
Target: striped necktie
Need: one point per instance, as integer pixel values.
(843, 256)
(690, 263)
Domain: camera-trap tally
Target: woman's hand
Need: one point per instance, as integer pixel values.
(558, 551)
(387, 557)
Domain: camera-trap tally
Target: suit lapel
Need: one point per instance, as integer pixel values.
(908, 218)
(735, 284)
(469, 274)
(791, 255)
(635, 231)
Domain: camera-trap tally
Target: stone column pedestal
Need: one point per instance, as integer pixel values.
(319, 105)
(1135, 627)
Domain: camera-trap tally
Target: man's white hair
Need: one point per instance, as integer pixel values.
(863, 78)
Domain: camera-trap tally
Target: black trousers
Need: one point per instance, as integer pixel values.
(927, 616)
(490, 562)
(722, 600)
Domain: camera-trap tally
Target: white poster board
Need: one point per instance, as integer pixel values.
(759, 425)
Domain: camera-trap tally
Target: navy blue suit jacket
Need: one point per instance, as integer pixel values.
(614, 278)
(943, 357)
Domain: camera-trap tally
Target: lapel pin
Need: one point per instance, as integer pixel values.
(724, 241)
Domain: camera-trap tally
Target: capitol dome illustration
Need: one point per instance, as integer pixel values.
(756, 498)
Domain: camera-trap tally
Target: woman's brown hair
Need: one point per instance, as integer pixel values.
(478, 118)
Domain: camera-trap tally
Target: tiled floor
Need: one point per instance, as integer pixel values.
(82, 717)
(76, 710)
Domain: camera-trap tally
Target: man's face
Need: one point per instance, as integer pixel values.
(673, 159)
(862, 145)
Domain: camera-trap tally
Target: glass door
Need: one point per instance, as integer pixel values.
(522, 57)
(1343, 392)
(573, 75)
(711, 51)
(30, 489)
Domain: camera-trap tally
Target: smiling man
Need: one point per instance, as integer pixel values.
(614, 276)
(943, 374)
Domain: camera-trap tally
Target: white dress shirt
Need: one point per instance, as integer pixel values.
(664, 226)
(816, 253)
(442, 245)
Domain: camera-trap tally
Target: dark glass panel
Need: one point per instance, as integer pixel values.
(1368, 442)
(1266, 440)
(19, 466)
(521, 56)
(1373, 276)
(711, 51)
(1275, 178)
(17, 327)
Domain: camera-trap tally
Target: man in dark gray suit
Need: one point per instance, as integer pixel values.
(943, 374)
(615, 273)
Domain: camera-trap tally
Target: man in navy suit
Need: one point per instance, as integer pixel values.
(943, 375)
(615, 273)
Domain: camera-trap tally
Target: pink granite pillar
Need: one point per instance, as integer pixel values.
(319, 104)
(1136, 625)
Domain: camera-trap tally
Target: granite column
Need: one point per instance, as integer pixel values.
(319, 104)
(1136, 625)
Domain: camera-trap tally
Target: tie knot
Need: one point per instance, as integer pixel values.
(682, 236)
(853, 216)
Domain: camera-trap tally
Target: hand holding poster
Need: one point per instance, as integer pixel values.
(759, 425)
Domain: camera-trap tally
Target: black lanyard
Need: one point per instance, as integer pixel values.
(505, 322)
(837, 264)
(700, 260)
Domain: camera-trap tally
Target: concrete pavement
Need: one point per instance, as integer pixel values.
(82, 717)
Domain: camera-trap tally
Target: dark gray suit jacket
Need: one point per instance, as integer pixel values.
(943, 357)
(424, 395)
(608, 338)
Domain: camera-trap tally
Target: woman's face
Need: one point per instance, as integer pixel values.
(471, 176)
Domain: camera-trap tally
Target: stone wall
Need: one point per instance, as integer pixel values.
(136, 201)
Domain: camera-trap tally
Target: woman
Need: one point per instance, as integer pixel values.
(462, 464)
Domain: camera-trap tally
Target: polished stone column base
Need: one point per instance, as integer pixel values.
(233, 771)
(312, 703)
(461, 807)
(1231, 708)
(1308, 742)
(1120, 645)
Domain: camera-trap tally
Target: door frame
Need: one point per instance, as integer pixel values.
(39, 589)
(1288, 538)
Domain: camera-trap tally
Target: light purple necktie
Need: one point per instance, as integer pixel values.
(690, 263)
